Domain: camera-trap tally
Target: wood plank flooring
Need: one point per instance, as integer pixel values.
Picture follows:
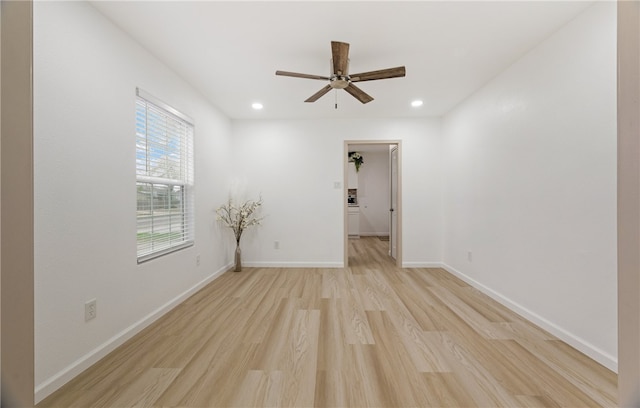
(371, 335)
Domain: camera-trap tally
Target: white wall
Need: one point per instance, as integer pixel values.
(85, 76)
(373, 194)
(295, 165)
(530, 185)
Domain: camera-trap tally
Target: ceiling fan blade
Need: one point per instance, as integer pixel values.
(340, 55)
(298, 75)
(318, 94)
(358, 93)
(380, 74)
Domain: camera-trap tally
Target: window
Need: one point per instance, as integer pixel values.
(164, 176)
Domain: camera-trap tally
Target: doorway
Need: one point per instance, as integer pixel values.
(372, 203)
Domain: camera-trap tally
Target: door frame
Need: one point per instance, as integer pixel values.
(393, 184)
(345, 184)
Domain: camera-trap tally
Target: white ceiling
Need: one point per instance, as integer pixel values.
(230, 51)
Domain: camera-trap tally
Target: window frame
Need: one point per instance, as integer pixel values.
(185, 183)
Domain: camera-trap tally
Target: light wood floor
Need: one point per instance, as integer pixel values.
(371, 335)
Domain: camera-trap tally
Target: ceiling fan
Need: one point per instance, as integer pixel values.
(340, 77)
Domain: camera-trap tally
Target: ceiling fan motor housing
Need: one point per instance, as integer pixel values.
(339, 81)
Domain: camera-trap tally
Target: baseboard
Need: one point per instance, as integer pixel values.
(50, 385)
(607, 360)
(293, 264)
(422, 265)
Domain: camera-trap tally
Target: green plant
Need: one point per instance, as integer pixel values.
(356, 158)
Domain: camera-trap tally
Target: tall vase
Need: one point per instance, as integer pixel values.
(238, 259)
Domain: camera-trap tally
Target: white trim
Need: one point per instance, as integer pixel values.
(422, 265)
(50, 385)
(293, 264)
(163, 252)
(160, 103)
(602, 357)
(45, 388)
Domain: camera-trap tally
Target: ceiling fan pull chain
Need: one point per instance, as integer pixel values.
(335, 92)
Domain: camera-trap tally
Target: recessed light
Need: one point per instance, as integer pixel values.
(416, 103)
(257, 106)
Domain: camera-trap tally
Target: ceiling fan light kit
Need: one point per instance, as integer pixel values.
(339, 82)
(340, 78)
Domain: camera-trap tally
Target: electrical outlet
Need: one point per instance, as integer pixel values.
(90, 310)
(198, 260)
(276, 244)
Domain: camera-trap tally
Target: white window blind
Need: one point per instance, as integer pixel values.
(164, 169)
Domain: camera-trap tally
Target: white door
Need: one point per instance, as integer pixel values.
(393, 214)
